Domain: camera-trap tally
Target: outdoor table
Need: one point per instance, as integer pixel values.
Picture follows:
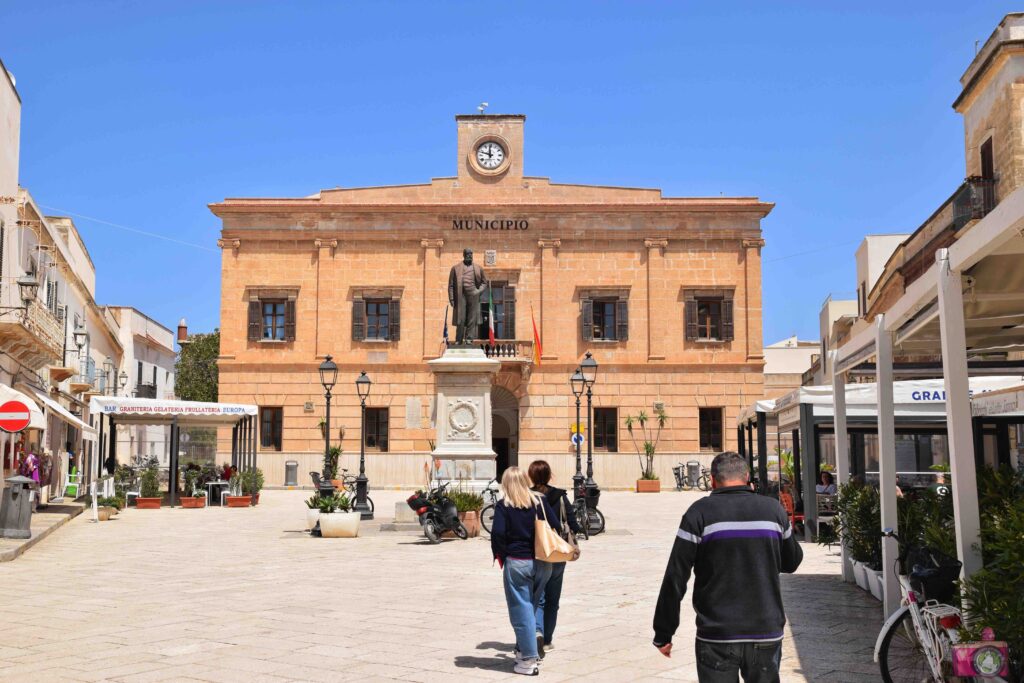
(210, 485)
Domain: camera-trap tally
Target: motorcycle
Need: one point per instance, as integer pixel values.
(437, 513)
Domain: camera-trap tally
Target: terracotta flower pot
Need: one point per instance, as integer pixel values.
(238, 501)
(471, 520)
(193, 502)
(148, 503)
(105, 513)
(338, 484)
(255, 499)
(648, 485)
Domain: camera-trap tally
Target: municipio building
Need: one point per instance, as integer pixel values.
(665, 292)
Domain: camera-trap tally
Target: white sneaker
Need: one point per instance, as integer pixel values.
(526, 667)
(548, 647)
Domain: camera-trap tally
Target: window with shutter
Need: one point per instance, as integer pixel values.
(375, 431)
(289, 320)
(273, 327)
(358, 320)
(254, 320)
(395, 326)
(710, 429)
(271, 427)
(378, 319)
(587, 319)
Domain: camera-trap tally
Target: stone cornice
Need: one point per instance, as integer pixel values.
(229, 244)
(661, 244)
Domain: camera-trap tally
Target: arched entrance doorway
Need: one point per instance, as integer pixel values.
(504, 428)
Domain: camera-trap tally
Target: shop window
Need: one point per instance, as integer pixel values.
(711, 429)
(375, 431)
(504, 297)
(605, 318)
(271, 427)
(376, 319)
(606, 433)
(272, 319)
(709, 315)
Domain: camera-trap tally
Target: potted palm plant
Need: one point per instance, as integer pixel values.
(468, 504)
(235, 497)
(336, 517)
(312, 511)
(193, 496)
(149, 489)
(648, 481)
(252, 484)
(333, 456)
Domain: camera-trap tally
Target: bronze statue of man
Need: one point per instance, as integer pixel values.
(466, 283)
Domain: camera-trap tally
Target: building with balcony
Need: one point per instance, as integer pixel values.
(665, 292)
(149, 365)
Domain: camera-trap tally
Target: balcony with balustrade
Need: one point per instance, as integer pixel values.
(34, 336)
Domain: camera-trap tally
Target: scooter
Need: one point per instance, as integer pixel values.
(437, 513)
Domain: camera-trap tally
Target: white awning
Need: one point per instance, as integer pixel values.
(88, 433)
(159, 411)
(36, 418)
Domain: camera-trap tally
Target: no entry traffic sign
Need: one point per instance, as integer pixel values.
(14, 416)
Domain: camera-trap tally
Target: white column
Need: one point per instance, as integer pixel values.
(958, 416)
(887, 463)
(842, 447)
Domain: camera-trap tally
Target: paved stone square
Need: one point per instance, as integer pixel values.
(246, 595)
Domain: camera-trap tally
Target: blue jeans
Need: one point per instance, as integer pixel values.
(524, 584)
(547, 608)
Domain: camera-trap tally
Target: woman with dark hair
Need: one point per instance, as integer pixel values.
(547, 611)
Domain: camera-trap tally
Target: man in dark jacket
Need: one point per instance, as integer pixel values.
(736, 543)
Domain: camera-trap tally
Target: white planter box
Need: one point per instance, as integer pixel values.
(875, 583)
(340, 525)
(860, 575)
(312, 514)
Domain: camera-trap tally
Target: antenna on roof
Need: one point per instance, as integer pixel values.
(480, 107)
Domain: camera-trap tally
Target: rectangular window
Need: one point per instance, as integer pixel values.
(604, 319)
(273, 320)
(376, 429)
(709, 315)
(606, 433)
(711, 429)
(709, 319)
(271, 424)
(988, 167)
(138, 376)
(504, 312)
(378, 316)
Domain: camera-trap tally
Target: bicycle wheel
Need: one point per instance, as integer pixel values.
(704, 483)
(596, 520)
(487, 517)
(582, 520)
(901, 659)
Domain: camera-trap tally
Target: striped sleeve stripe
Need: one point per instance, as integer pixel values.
(787, 533)
(754, 529)
(687, 536)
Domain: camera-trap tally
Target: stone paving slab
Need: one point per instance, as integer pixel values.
(245, 595)
(44, 523)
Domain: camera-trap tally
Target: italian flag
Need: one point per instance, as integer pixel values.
(490, 316)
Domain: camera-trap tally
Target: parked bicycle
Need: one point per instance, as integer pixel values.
(588, 517)
(490, 496)
(348, 482)
(692, 475)
(920, 641)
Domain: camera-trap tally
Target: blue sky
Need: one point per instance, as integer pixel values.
(140, 114)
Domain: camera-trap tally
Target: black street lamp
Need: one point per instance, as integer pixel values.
(578, 384)
(123, 377)
(362, 484)
(588, 368)
(328, 377)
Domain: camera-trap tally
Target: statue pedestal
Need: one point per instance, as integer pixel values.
(463, 377)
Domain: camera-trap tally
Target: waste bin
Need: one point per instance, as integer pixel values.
(291, 473)
(16, 508)
(693, 471)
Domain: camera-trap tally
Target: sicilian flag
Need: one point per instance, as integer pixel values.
(536, 339)
(490, 316)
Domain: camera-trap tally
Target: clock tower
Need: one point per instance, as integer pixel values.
(490, 148)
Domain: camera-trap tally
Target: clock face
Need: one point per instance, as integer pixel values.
(490, 155)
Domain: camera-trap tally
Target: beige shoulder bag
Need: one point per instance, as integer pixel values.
(547, 544)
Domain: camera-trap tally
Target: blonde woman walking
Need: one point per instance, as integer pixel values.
(512, 544)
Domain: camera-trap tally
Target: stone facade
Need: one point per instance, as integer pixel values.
(556, 246)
